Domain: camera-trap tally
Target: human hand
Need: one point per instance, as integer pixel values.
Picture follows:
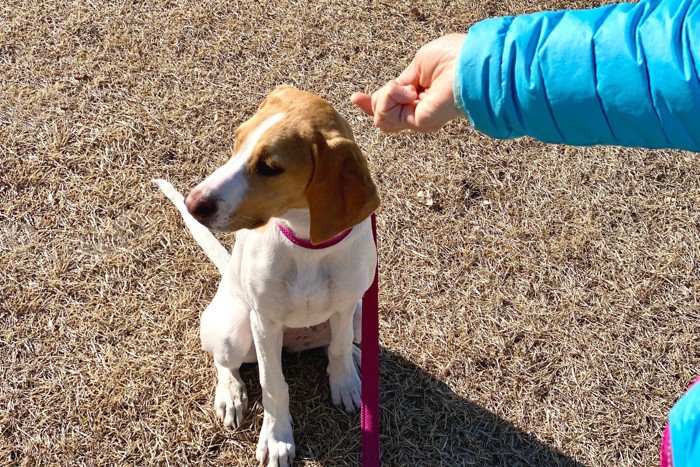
(421, 98)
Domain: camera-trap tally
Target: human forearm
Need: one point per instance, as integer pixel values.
(625, 74)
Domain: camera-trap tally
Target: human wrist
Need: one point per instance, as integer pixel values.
(457, 80)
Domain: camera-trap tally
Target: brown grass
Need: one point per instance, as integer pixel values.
(539, 303)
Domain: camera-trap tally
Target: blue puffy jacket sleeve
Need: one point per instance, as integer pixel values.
(684, 423)
(625, 74)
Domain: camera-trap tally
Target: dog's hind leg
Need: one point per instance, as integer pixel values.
(231, 399)
(357, 335)
(342, 362)
(357, 323)
(225, 333)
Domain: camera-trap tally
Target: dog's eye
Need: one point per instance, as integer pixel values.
(266, 169)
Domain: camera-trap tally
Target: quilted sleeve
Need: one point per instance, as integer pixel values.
(625, 74)
(684, 425)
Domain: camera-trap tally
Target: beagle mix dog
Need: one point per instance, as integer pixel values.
(298, 191)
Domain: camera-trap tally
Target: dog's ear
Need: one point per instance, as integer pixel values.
(341, 193)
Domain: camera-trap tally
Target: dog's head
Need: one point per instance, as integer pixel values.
(295, 152)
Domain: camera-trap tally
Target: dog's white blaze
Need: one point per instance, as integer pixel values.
(228, 183)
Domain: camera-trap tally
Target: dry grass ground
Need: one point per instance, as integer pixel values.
(539, 304)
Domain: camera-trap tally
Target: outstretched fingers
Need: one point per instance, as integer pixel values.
(363, 101)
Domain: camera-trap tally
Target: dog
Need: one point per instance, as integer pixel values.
(298, 192)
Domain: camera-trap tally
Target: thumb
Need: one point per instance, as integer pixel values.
(363, 101)
(409, 76)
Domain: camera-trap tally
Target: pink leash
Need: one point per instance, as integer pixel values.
(369, 411)
(369, 407)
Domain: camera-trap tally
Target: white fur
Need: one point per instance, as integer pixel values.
(272, 290)
(229, 181)
(211, 246)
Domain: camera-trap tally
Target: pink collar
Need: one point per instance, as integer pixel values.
(306, 243)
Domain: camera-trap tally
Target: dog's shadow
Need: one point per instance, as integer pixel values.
(423, 422)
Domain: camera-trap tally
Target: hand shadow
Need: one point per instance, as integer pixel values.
(423, 422)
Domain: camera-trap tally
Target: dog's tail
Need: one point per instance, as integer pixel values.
(216, 252)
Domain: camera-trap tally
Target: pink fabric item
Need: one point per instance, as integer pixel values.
(369, 411)
(306, 243)
(666, 459)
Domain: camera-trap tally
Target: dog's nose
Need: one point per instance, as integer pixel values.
(201, 207)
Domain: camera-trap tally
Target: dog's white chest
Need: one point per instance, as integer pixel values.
(298, 287)
(302, 295)
(311, 289)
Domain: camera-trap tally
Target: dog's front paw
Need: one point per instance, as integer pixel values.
(231, 401)
(345, 388)
(276, 443)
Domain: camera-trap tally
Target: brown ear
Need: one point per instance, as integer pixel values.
(341, 193)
